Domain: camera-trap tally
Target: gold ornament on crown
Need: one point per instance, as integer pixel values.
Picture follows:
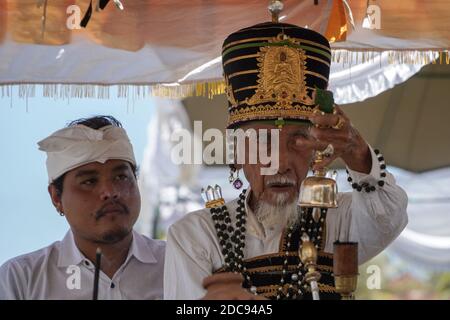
(229, 92)
(281, 76)
(281, 80)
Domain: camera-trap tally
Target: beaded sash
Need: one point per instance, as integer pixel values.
(266, 270)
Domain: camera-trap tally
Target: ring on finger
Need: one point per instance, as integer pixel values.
(317, 111)
(339, 124)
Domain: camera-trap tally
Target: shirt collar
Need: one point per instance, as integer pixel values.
(141, 249)
(70, 254)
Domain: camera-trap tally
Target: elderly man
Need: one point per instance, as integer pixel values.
(92, 183)
(276, 75)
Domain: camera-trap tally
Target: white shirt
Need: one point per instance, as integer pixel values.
(61, 271)
(372, 219)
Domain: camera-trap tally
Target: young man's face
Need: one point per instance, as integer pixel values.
(101, 201)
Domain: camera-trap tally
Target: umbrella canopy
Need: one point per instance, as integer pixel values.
(408, 123)
(179, 42)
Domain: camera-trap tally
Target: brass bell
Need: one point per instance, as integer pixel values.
(318, 191)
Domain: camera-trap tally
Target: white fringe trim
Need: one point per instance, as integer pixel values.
(208, 88)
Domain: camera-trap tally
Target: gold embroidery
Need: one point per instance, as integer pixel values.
(323, 288)
(271, 255)
(318, 75)
(248, 56)
(244, 41)
(281, 76)
(297, 40)
(268, 111)
(255, 87)
(266, 289)
(241, 73)
(246, 88)
(323, 267)
(215, 203)
(281, 254)
(281, 80)
(229, 92)
(271, 290)
(279, 268)
(274, 268)
(318, 59)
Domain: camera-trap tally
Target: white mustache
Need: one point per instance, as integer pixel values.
(280, 180)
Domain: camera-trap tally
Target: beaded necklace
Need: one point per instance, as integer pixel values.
(232, 242)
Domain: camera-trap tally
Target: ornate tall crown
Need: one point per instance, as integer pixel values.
(272, 71)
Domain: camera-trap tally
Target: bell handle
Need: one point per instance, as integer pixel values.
(318, 158)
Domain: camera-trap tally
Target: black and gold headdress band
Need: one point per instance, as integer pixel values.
(273, 71)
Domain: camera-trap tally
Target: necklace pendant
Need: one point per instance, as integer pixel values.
(238, 183)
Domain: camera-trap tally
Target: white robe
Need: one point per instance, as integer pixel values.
(372, 219)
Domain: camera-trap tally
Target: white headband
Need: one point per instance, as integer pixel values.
(75, 146)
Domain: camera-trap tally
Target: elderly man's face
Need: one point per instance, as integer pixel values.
(101, 201)
(283, 187)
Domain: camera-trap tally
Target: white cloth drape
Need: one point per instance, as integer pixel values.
(350, 80)
(425, 243)
(166, 188)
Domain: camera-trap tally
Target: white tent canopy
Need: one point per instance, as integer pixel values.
(167, 48)
(54, 66)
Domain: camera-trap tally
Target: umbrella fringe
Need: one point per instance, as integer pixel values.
(207, 89)
(99, 91)
(347, 57)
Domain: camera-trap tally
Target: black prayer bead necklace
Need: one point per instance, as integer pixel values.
(232, 242)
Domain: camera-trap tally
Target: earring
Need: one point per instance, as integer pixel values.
(237, 183)
(232, 171)
(60, 212)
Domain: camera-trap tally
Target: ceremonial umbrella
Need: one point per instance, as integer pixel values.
(172, 48)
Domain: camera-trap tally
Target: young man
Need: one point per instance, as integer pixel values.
(92, 183)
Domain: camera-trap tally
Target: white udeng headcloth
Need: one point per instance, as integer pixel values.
(75, 146)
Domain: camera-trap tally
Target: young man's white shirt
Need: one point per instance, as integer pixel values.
(61, 271)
